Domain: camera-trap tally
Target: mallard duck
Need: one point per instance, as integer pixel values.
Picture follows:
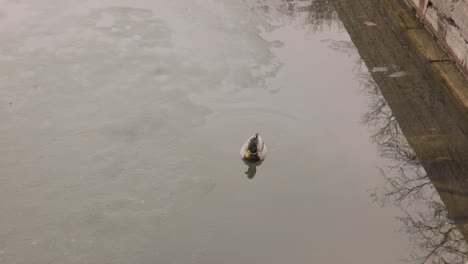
(254, 151)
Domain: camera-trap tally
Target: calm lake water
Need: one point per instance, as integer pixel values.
(122, 123)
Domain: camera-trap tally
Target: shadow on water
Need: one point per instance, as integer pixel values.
(428, 178)
(251, 171)
(407, 186)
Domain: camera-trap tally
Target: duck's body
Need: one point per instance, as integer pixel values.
(253, 152)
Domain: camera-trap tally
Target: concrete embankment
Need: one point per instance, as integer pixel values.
(443, 67)
(448, 21)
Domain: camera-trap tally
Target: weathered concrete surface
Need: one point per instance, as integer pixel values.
(432, 17)
(448, 21)
(460, 16)
(425, 45)
(423, 100)
(444, 7)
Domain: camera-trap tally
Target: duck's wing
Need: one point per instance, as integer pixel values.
(260, 144)
(263, 152)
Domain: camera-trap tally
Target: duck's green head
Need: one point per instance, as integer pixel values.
(252, 149)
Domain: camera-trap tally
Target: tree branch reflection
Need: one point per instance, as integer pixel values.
(320, 13)
(425, 218)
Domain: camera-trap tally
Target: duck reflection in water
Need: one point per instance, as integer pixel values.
(253, 153)
(251, 172)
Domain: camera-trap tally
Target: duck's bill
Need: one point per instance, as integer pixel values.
(247, 155)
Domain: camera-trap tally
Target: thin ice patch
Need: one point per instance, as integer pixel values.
(398, 74)
(379, 69)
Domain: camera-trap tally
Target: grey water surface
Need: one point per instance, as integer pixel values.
(121, 124)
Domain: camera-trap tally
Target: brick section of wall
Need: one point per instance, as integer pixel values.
(448, 21)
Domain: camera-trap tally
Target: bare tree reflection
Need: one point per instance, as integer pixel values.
(436, 236)
(320, 13)
(425, 218)
(386, 132)
(411, 180)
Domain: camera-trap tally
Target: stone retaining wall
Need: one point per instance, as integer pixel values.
(448, 21)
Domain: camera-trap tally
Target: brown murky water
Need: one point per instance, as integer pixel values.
(122, 123)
